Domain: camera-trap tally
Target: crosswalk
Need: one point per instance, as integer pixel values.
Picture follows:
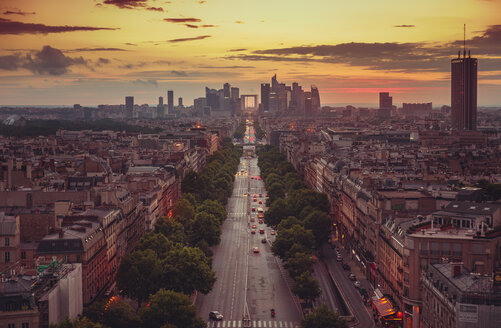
(255, 324)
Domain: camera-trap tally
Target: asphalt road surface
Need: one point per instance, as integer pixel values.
(247, 283)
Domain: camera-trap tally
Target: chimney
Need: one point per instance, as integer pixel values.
(456, 269)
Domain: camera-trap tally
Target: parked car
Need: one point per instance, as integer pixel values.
(263, 241)
(346, 267)
(357, 284)
(339, 258)
(352, 277)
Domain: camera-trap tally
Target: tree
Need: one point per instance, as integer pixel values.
(191, 182)
(78, 323)
(213, 207)
(286, 239)
(156, 242)
(276, 213)
(320, 224)
(206, 227)
(299, 264)
(276, 191)
(183, 211)
(305, 287)
(186, 269)
(120, 314)
(323, 318)
(171, 229)
(138, 275)
(301, 198)
(288, 223)
(170, 309)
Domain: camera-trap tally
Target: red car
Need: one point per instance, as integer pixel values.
(255, 249)
(260, 202)
(261, 231)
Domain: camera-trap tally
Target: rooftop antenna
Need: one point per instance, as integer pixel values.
(464, 40)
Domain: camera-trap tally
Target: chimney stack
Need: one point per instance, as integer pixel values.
(456, 269)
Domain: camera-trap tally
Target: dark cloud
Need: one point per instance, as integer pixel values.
(131, 44)
(404, 25)
(155, 9)
(48, 61)
(134, 65)
(236, 50)
(18, 12)
(95, 49)
(148, 82)
(102, 61)
(51, 61)
(199, 26)
(11, 62)
(201, 37)
(126, 4)
(488, 43)
(179, 73)
(183, 20)
(11, 27)
(229, 67)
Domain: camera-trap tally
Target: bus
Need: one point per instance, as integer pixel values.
(260, 213)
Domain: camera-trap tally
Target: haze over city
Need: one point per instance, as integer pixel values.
(93, 52)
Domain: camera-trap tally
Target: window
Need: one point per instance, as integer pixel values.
(25, 325)
(477, 249)
(11, 325)
(7, 241)
(7, 257)
(23, 255)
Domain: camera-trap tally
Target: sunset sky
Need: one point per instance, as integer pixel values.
(94, 52)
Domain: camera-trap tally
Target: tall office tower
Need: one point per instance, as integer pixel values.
(282, 97)
(273, 102)
(297, 99)
(199, 104)
(274, 82)
(464, 92)
(160, 107)
(170, 101)
(265, 97)
(235, 93)
(129, 107)
(385, 105)
(226, 91)
(212, 98)
(315, 100)
(385, 101)
(180, 102)
(307, 104)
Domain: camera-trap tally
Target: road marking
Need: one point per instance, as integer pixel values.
(224, 324)
(264, 323)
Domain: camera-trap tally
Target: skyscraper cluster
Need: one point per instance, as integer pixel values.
(222, 100)
(279, 98)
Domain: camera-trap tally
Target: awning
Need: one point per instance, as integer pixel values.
(383, 306)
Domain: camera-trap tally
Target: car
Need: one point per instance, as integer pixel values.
(260, 195)
(352, 276)
(260, 202)
(255, 250)
(253, 219)
(215, 315)
(266, 196)
(253, 209)
(263, 241)
(255, 195)
(339, 258)
(261, 231)
(356, 284)
(254, 226)
(255, 199)
(261, 221)
(346, 267)
(253, 231)
(273, 232)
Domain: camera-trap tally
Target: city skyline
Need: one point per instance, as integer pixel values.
(97, 52)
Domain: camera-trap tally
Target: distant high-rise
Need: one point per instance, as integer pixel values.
(265, 97)
(226, 91)
(385, 101)
(307, 104)
(212, 98)
(235, 93)
(315, 100)
(464, 92)
(129, 107)
(160, 107)
(170, 101)
(180, 102)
